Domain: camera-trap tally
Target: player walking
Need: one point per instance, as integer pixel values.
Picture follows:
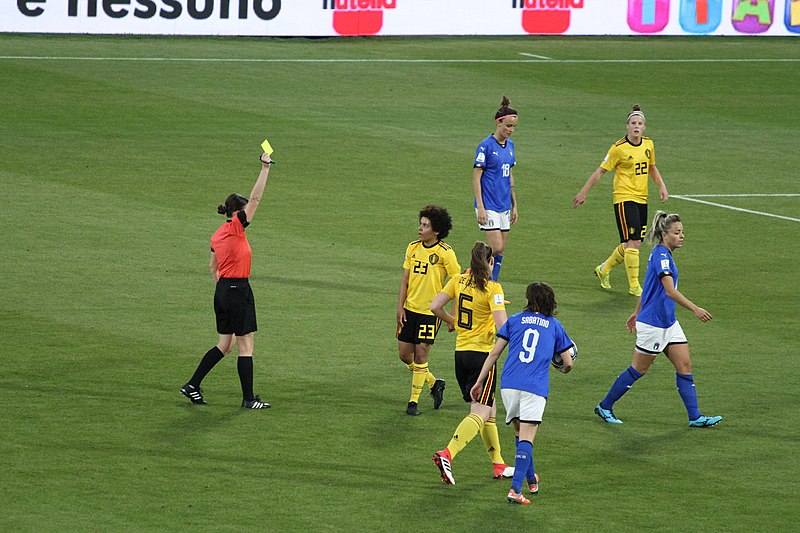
(493, 183)
(428, 262)
(657, 329)
(633, 158)
(532, 337)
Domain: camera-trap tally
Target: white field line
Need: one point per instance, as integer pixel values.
(386, 60)
(534, 55)
(690, 198)
(735, 195)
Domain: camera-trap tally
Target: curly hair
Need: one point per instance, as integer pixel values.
(441, 222)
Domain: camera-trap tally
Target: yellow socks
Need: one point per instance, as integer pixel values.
(632, 266)
(418, 374)
(491, 440)
(429, 377)
(616, 258)
(465, 432)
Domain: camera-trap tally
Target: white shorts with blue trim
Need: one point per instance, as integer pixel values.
(523, 405)
(651, 340)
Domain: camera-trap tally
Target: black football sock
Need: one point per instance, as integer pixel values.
(245, 367)
(210, 359)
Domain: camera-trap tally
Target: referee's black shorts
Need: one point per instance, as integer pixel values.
(235, 307)
(468, 367)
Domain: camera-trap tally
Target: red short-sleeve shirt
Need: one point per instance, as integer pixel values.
(230, 245)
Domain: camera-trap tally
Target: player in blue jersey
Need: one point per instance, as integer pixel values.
(657, 329)
(493, 183)
(533, 337)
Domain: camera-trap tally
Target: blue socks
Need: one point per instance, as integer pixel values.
(522, 463)
(498, 262)
(529, 475)
(624, 382)
(685, 383)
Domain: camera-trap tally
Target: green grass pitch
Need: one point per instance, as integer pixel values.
(111, 171)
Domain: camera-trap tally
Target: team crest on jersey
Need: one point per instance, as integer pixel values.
(647, 153)
(433, 259)
(631, 230)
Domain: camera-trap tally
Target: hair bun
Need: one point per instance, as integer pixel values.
(505, 101)
(221, 209)
(636, 107)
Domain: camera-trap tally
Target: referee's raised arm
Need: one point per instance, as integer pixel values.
(258, 188)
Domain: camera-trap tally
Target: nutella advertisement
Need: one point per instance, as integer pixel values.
(330, 18)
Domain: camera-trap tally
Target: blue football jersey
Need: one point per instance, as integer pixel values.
(496, 161)
(658, 309)
(532, 340)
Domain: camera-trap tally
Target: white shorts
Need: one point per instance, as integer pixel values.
(651, 340)
(496, 220)
(526, 406)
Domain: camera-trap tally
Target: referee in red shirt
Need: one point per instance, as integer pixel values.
(234, 304)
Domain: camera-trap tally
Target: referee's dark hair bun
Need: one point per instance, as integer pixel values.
(233, 203)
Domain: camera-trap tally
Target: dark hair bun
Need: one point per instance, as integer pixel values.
(221, 209)
(505, 102)
(636, 107)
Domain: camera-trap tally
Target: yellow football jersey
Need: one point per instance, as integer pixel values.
(473, 312)
(632, 169)
(428, 268)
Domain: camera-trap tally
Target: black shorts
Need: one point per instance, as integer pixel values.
(468, 368)
(419, 328)
(631, 221)
(235, 307)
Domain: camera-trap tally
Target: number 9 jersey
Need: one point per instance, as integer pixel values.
(532, 338)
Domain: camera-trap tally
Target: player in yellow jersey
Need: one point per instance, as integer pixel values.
(428, 262)
(480, 312)
(633, 159)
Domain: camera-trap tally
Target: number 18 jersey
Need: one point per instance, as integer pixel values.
(532, 338)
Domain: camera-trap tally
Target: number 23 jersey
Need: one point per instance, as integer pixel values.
(428, 268)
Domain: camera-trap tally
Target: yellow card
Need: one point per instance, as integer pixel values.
(266, 147)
